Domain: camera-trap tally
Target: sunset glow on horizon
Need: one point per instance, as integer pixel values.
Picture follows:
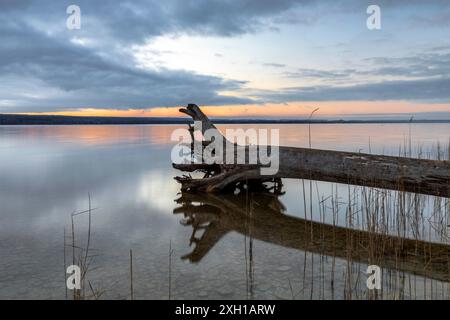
(287, 110)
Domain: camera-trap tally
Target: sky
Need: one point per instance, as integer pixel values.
(242, 58)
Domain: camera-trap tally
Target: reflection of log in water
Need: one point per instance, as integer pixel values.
(218, 215)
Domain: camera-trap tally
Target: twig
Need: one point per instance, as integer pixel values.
(309, 125)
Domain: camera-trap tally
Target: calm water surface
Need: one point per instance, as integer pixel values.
(47, 172)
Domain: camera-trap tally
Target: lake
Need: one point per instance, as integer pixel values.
(47, 173)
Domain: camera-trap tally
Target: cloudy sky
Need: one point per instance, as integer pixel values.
(239, 58)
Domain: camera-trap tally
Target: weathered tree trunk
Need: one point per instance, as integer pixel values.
(406, 174)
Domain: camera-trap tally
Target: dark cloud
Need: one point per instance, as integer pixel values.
(274, 65)
(423, 77)
(427, 64)
(82, 78)
(303, 73)
(432, 63)
(420, 90)
(41, 69)
(134, 21)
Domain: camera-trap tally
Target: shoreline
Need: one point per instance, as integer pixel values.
(14, 119)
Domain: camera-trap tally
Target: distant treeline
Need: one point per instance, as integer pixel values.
(19, 119)
(16, 119)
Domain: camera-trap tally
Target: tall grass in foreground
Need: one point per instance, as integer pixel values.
(382, 213)
(389, 218)
(83, 255)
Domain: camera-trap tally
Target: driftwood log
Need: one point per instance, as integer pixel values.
(214, 216)
(405, 174)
